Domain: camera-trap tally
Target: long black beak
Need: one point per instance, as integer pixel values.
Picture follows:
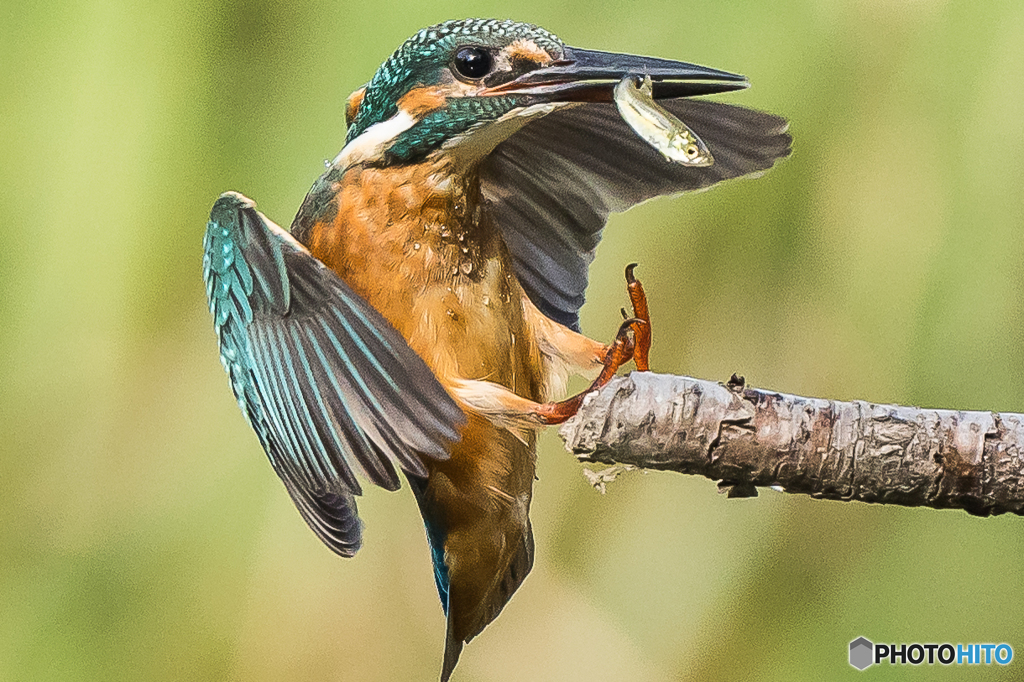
(590, 76)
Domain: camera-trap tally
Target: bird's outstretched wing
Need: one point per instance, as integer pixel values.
(329, 386)
(551, 185)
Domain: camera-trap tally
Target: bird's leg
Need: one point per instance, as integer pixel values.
(521, 415)
(563, 349)
(636, 347)
(619, 353)
(638, 299)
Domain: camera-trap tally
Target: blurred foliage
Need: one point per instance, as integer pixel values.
(145, 538)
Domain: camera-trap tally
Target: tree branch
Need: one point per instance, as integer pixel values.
(828, 449)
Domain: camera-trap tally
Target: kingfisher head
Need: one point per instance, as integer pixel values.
(461, 87)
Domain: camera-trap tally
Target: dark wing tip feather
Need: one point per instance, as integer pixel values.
(750, 140)
(333, 517)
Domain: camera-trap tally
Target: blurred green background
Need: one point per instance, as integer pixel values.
(143, 535)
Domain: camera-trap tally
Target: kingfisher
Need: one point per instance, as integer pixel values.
(421, 316)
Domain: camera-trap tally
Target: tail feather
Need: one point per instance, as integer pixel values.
(475, 509)
(513, 577)
(452, 650)
(464, 625)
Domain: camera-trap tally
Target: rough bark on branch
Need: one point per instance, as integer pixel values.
(746, 437)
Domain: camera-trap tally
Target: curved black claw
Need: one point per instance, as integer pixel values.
(630, 324)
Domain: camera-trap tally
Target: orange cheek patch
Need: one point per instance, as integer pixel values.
(352, 105)
(420, 101)
(527, 49)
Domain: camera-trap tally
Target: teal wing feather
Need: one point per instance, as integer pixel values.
(327, 384)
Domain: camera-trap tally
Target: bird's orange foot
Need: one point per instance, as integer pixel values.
(638, 299)
(619, 353)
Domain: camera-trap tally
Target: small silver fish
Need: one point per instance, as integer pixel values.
(658, 127)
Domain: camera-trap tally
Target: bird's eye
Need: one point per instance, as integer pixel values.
(473, 62)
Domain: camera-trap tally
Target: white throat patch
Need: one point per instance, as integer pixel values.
(371, 143)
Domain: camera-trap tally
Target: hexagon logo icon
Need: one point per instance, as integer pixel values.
(861, 653)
